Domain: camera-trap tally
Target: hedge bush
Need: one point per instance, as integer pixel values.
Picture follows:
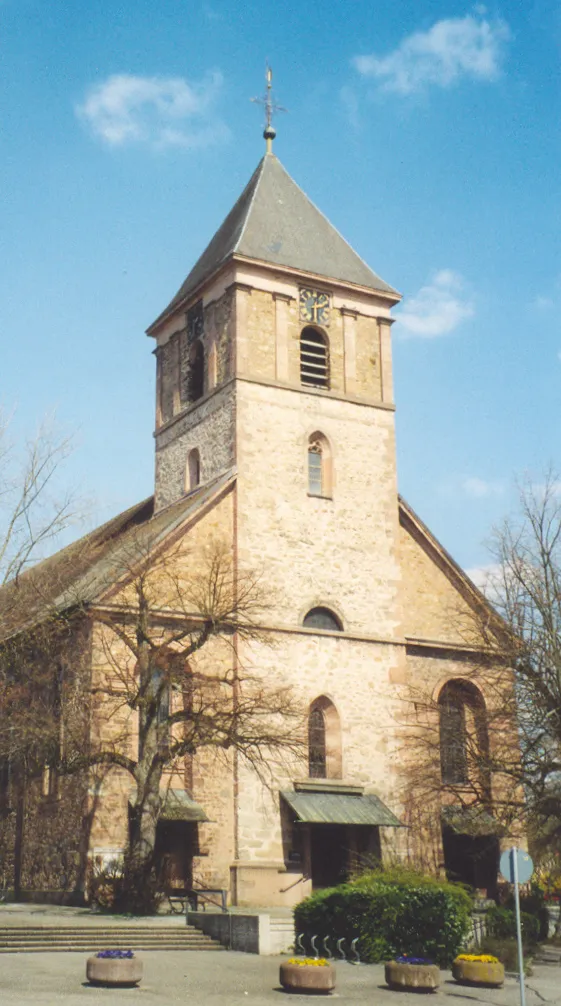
(391, 912)
(534, 904)
(501, 923)
(506, 949)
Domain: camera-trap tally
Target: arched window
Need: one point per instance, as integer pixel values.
(320, 466)
(196, 371)
(463, 731)
(324, 740)
(314, 359)
(322, 618)
(193, 470)
(317, 751)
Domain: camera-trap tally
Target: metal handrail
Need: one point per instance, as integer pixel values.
(194, 893)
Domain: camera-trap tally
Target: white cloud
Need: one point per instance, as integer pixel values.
(486, 577)
(479, 488)
(210, 12)
(437, 309)
(159, 111)
(453, 48)
(544, 303)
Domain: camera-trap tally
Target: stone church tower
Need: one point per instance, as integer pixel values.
(274, 362)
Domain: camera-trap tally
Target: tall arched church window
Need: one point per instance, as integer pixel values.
(314, 358)
(463, 732)
(324, 740)
(320, 466)
(322, 618)
(193, 470)
(317, 751)
(196, 371)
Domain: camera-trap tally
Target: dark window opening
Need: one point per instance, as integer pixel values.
(464, 741)
(322, 618)
(194, 473)
(314, 362)
(196, 371)
(317, 749)
(453, 753)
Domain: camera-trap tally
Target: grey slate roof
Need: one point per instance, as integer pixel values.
(83, 571)
(340, 808)
(274, 221)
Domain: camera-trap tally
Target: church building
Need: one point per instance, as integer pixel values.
(275, 428)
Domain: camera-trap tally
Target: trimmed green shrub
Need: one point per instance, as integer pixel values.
(391, 912)
(506, 949)
(501, 923)
(534, 904)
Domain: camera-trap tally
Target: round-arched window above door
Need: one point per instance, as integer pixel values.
(322, 618)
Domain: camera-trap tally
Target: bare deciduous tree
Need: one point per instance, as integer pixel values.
(34, 511)
(505, 755)
(171, 673)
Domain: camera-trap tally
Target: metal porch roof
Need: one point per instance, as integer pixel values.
(340, 808)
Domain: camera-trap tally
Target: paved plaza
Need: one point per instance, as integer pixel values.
(231, 979)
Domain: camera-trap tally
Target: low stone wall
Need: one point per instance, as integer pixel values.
(251, 934)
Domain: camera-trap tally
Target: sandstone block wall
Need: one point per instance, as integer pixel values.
(434, 608)
(316, 550)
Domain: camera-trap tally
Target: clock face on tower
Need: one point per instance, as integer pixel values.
(314, 306)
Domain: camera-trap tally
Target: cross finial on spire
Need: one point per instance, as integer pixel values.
(270, 106)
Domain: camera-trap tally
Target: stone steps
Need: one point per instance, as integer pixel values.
(90, 939)
(549, 955)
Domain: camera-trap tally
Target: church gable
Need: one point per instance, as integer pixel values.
(438, 598)
(179, 554)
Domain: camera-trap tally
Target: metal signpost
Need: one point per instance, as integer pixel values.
(517, 867)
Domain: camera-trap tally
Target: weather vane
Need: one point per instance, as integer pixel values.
(270, 106)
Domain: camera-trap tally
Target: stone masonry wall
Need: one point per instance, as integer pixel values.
(208, 773)
(357, 676)
(356, 373)
(340, 552)
(433, 606)
(209, 428)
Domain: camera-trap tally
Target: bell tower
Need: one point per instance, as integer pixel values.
(274, 368)
(277, 298)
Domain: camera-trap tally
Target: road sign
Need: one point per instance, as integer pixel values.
(517, 867)
(524, 864)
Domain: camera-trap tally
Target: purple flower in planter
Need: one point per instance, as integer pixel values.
(405, 959)
(116, 954)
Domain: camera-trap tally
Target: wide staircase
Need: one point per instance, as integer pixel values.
(91, 938)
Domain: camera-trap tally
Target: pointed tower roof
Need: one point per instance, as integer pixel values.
(273, 221)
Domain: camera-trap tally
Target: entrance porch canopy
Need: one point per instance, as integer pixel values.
(475, 821)
(340, 808)
(177, 805)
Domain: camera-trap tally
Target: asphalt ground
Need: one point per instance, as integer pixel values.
(211, 978)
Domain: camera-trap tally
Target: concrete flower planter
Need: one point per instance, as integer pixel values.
(312, 978)
(114, 971)
(412, 977)
(478, 973)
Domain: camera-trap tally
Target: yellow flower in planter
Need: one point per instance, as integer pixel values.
(305, 961)
(481, 958)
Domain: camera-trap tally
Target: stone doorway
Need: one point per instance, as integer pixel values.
(176, 844)
(329, 854)
(472, 860)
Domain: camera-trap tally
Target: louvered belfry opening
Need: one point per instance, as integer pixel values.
(314, 359)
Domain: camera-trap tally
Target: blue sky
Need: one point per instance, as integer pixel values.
(427, 133)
